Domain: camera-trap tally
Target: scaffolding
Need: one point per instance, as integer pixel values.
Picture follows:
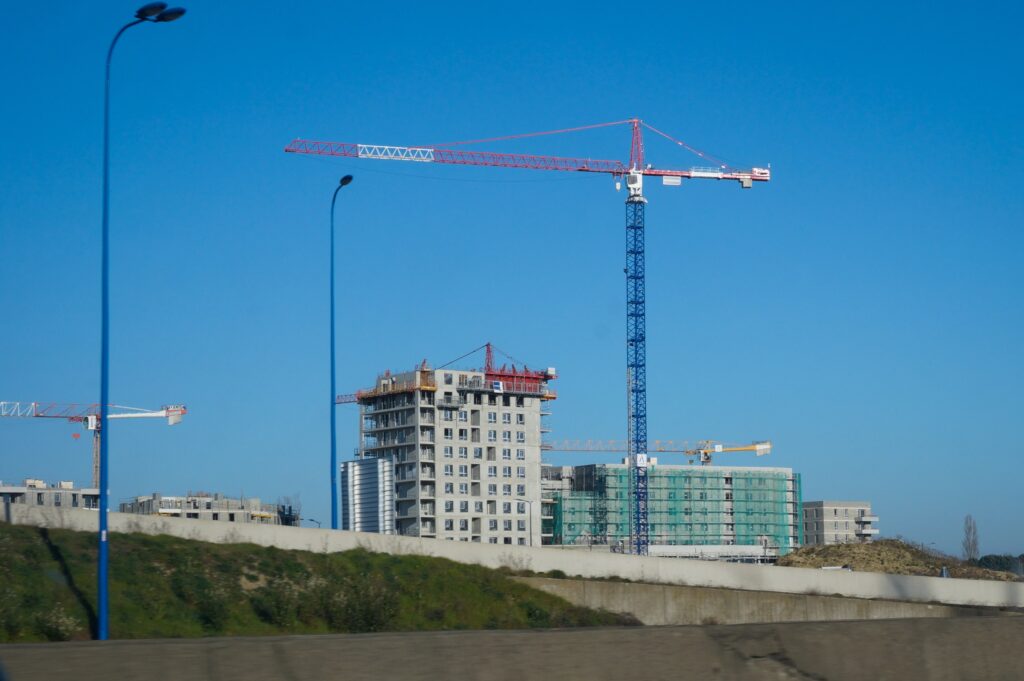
(703, 506)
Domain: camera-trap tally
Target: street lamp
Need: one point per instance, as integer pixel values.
(313, 520)
(156, 13)
(334, 436)
(530, 502)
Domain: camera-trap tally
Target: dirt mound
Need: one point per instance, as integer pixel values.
(889, 556)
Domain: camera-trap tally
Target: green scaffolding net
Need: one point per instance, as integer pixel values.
(686, 506)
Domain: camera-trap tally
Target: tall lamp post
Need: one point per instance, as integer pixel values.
(334, 436)
(154, 13)
(530, 502)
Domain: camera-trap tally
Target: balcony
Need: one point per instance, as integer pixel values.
(867, 519)
(865, 531)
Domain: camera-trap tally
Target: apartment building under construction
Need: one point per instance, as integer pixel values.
(464, 447)
(720, 512)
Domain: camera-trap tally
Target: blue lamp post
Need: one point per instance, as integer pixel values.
(334, 436)
(155, 13)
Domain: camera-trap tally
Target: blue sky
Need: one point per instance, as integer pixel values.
(862, 310)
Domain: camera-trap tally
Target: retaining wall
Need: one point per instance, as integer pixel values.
(659, 604)
(574, 563)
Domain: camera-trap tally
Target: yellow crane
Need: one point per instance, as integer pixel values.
(703, 450)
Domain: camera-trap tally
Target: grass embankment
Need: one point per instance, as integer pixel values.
(889, 556)
(162, 586)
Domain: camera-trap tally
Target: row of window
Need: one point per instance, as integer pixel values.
(492, 525)
(478, 507)
(478, 453)
(492, 435)
(492, 471)
(492, 416)
(492, 490)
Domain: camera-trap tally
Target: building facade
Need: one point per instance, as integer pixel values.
(715, 512)
(217, 507)
(465, 447)
(63, 494)
(838, 522)
(368, 495)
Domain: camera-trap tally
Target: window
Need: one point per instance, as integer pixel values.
(521, 471)
(506, 507)
(507, 540)
(492, 436)
(192, 515)
(492, 490)
(520, 419)
(56, 499)
(521, 454)
(463, 471)
(463, 434)
(506, 454)
(506, 400)
(506, 436)
(231, 517)
(521, 507)
(492, 417)
(216, 516)
(520, 436)
(506, 490)
(449, 506)
(463, 488)
(463, 525)
(522, 541)
(492, 400)
(39, 498)
(507, 525)
(506, 471)
(449, 524)
(492, 524)
(506, 418)
(463, 507)
(449, 487)
(492, 540)
(74, 500)
(447, 379)
(447, 433)
(521, 490)
(449, 470)
(463, 452)
(446, 415)
(521, 525)
(478, 452)
(492, 471)
(447, 451)
(463, 415)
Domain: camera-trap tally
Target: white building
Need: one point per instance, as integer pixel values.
(368, 495)
(838, 522)
(465, 447)
(63, 494)
(215, 506)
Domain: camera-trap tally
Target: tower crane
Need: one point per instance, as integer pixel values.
(89, 416)
(634, 172)
(704, 449)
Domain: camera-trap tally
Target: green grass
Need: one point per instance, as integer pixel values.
(162, 586)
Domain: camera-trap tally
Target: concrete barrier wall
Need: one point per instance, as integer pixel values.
(979, 649)
(574, 563)
(659, 604)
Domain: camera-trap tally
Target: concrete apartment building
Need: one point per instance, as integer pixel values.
(207, 506)
(749, 514)
(838, 522)
(63, 494)
(465, 448)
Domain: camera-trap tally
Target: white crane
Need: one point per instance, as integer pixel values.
(89, 415)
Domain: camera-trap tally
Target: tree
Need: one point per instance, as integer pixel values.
(970, 542)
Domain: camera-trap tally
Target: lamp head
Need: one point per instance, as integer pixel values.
(171, 14)
(150, 10)
(346, 180)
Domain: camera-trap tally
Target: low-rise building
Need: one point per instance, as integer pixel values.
(207, 506)
(838, 522)
(63, 494)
